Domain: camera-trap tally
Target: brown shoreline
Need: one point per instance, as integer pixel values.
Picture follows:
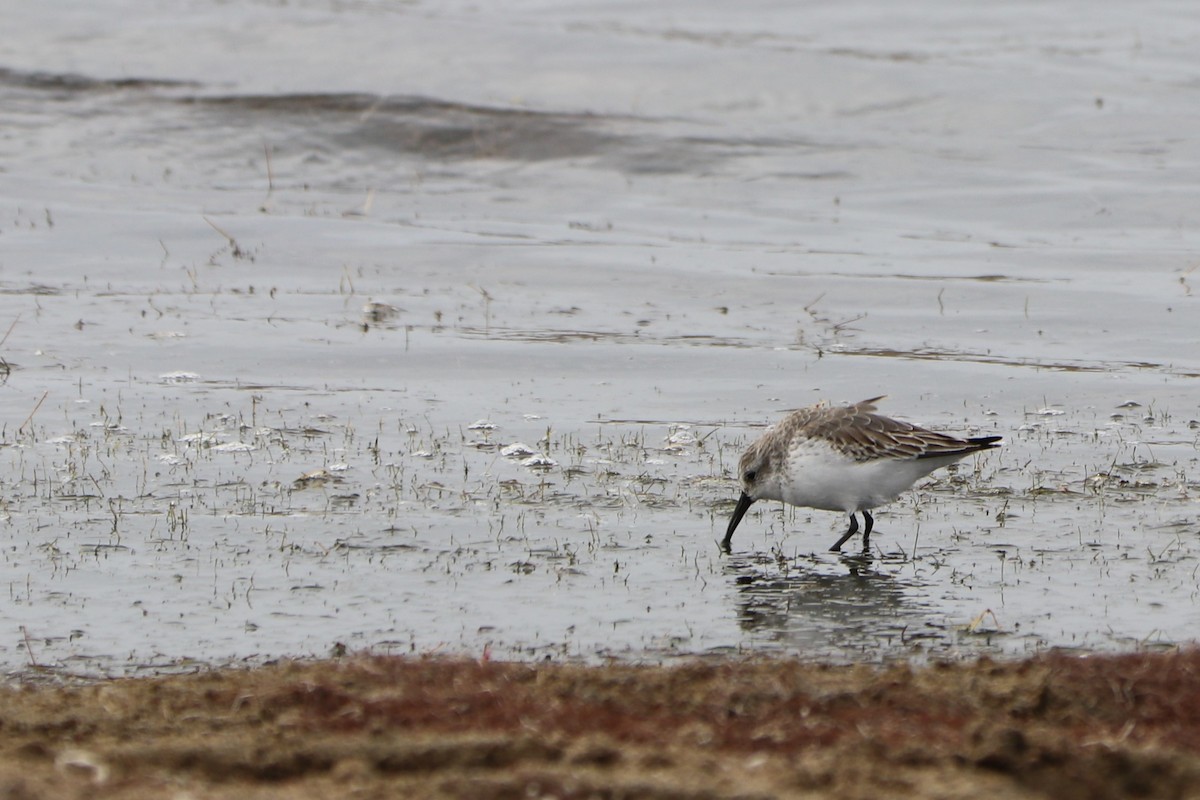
(1060, 726)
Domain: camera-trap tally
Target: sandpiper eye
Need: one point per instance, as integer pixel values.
(749, 475)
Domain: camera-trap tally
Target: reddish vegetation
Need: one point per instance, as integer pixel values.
(1056, 726)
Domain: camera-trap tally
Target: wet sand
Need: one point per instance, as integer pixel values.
(1057, 726)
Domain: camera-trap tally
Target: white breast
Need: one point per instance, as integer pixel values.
(818, 476)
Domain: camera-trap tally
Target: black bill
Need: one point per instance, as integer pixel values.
(740, 511)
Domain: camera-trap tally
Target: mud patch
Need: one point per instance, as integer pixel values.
(1057, 726)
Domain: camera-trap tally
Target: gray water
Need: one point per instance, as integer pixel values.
(281, 282)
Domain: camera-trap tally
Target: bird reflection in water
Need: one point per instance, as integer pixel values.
(850, 608)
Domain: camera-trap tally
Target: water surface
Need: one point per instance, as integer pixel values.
(281, 284)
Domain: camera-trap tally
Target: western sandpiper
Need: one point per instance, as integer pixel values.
(844, 458)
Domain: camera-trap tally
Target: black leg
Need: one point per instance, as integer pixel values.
(867, 530)
(853, 530)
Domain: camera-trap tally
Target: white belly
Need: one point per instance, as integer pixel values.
(835, 483)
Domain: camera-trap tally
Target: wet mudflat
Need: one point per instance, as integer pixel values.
(310, 348)
(183, 517)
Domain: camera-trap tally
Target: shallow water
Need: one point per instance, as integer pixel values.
(266, 267)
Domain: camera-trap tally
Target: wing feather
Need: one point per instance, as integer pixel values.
(863, 435)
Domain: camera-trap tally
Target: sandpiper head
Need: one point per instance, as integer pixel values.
(757, 471)
(756, 475)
